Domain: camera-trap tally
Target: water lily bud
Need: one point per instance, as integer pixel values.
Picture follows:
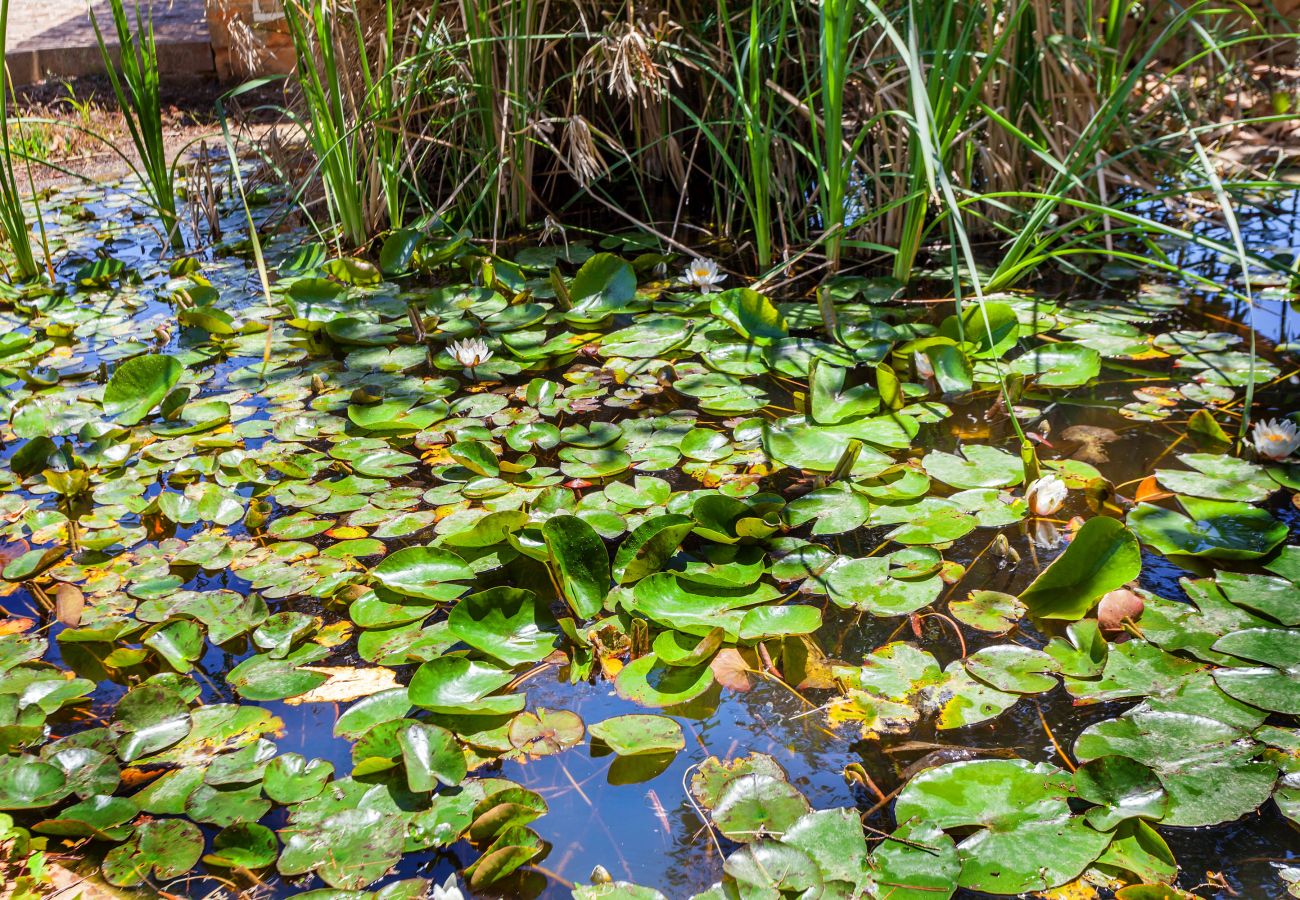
(1117, 606)
(600, 875)
(1046, 495)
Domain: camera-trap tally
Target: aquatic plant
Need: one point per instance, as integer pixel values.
(745, 115)
(135, 82)
(436, 506)
(13, 219)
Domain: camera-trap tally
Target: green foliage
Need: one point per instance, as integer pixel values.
(648, 509)
(136, 85)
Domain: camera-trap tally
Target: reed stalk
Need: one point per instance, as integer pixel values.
(136, 85)
(13, 219)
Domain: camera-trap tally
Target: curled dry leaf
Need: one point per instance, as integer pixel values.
(731, 669)
(1117, 606)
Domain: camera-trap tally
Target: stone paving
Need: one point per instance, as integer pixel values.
(54, 37)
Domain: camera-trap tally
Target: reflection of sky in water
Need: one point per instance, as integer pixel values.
(1272, 230)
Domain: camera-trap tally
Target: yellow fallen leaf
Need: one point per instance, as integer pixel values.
(347, 683)
(1075, 890)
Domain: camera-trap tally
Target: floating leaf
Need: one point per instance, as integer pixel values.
(751, 315)
(580, 561)
(138, 385)
(1026, 837)
(506, 623)
(1103, 556)
(637, 734)
(1212, 528)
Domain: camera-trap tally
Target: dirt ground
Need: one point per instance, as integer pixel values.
(72, 129)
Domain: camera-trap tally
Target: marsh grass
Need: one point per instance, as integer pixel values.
(832, 132)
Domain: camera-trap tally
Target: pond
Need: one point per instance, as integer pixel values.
(667, 584)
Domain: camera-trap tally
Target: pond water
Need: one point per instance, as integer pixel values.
(285, 418)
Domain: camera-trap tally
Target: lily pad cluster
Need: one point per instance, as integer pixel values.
(414, 488)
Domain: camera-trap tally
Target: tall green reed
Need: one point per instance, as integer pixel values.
(835, 28)
(136, 85)
(333, 127)
(13, 220)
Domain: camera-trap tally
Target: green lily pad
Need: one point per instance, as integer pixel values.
(981, 467)
(1207, 767)
(1122, 788)
(1211, 528)
(1026, 838)
(421, 572)
(649, 682)
(1218, 477)
(453, 684)
(581, 563)
(1103, 556)
(138, 385)
(509, 624)
(638, 734)
(160, 850)
(751, 315)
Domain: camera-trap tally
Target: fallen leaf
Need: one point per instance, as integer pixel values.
(731, 670)
(69, 602)
(1092, 441)
(346, 683)
(68, 883)
(1149, 490)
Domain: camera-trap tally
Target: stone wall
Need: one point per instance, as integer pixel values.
(249, 38)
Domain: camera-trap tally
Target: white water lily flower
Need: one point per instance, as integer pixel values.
(1277, 439)
(448, 890)
(1046, 495)
(703, 275)
(470, 352)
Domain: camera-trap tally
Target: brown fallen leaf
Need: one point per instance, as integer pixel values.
(69, 602)
(347, 683)
(731, 670)
(67, 883)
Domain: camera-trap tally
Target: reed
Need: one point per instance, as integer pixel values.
(887, 132)
(135, 83)
(13, 219)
